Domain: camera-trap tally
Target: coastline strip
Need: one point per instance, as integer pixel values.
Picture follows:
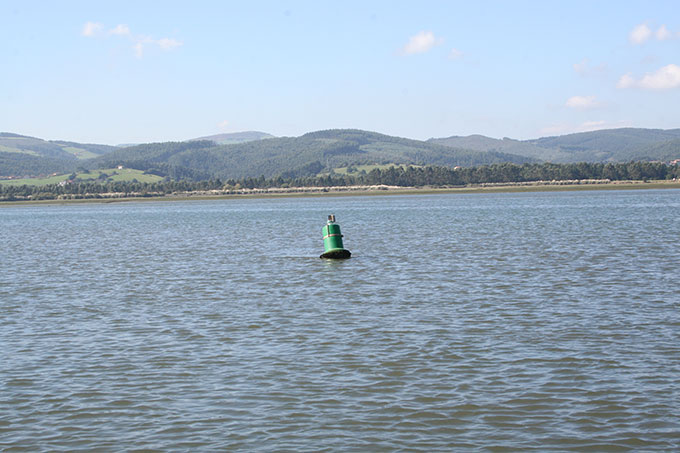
(539, 186)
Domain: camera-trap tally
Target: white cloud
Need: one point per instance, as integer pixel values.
(140, 42)
(663, 33)
(584, 68)
(640, 34)
(587, 126)
(168, 43)
(121, 30)
(581, 67)
(223, 125)
(626, 81)
(582, 102)
(421, 43)
(92, 28)
(665, 78)
(139, 49)
(455, 54)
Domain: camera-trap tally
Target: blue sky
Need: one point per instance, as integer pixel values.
(137, 71)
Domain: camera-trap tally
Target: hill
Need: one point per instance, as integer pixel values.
(306, 155)
(662, 151)
(17, 165)
(57, 149)
(506, 145)
(23, 155)
(259, 154)
(609, 145)
(235, 137)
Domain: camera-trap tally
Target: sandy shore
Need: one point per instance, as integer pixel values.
(540, 186)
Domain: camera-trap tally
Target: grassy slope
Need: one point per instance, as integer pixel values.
(54, 148)
(113, 174)
(79, 153)
(12, 149)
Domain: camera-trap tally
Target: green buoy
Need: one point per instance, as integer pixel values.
(332, 241)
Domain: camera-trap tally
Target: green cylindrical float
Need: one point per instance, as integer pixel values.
(332, 241)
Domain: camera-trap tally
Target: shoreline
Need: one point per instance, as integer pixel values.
(340, 191)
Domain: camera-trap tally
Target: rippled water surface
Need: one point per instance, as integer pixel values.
(546, 321)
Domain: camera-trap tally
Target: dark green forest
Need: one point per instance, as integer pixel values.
(12, 164)
(410, 176)
(306, 155)
(319, 152)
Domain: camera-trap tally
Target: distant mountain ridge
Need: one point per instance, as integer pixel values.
(255, 154)
(306, 155)
(235, 137)
(608, 145)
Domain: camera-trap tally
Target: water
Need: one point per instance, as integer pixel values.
(545, 321)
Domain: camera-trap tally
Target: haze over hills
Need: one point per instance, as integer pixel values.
(235, 137)
(608, 145)
(254, 154)
(623, 144)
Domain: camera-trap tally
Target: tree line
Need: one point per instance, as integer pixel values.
(405, 176)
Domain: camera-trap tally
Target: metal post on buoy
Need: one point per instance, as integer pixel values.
(332, 241)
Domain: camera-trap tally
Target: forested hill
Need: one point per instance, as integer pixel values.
(306, 155)
(615, 145)
(22, 155)
(55, 149)
(609, 145)
(259, 154)
(235, 137)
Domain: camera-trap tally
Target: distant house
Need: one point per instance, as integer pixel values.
(120, 167)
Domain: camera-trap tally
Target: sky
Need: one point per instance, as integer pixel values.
(141, 71)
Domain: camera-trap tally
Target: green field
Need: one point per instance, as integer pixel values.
(105, 175)
(366, 168)
(8, 149)
(80, 153)
(34, 181)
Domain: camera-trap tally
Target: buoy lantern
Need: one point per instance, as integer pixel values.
(332, 241)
